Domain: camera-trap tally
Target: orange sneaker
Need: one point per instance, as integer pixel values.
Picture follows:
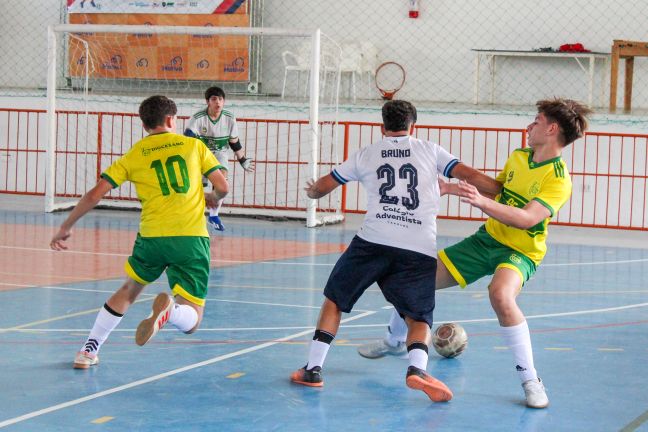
(418, 379)
(150, 326)
(308, 377)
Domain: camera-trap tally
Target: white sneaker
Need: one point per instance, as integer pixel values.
(150, 326)
(84, 359)
(380, 349)
(535, 394)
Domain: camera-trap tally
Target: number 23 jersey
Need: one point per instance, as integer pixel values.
(167, 171)
(400, 176)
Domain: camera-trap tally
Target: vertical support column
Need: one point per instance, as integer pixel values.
(614, 75)
(311, 210)
(492, 84)
(50, 153)
(476, 79)
(590, 89)
(627, 94)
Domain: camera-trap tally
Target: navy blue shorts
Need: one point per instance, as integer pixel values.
(406, 278)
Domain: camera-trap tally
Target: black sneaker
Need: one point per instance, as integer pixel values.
(308, 377)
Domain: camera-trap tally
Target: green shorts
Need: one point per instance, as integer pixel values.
(479, 255)
(185, 259)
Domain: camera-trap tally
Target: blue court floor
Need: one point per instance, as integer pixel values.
(587, 308)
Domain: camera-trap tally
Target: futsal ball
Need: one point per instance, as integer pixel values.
(450, 340)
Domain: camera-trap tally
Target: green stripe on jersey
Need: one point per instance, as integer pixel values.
(511, 198)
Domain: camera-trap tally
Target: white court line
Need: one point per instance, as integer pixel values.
(478, 320)
(596, 263)
(62, 317)
(308, 263)
(127, 255)
(158, 377)
(274, 304)
(145, 297)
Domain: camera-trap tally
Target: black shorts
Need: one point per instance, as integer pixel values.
(406, 278)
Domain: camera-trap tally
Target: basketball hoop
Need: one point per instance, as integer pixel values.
(390, 77)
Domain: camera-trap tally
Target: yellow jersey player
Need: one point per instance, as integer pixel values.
(533, 186)
(166, 169)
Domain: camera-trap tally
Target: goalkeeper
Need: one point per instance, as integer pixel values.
(216, 127)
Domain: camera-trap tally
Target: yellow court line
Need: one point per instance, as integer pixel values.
(43, 276)
(235, 375)
(101, 420)
(62, 317)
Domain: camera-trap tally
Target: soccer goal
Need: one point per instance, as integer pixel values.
(282, 86)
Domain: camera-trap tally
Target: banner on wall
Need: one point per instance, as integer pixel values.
(158, 57)
(157, 7)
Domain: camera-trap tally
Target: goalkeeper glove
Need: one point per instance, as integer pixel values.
(246, 164)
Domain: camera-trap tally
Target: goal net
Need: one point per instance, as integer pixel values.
(281, 85)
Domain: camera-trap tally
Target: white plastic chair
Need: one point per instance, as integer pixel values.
(296, 62)
(370, 61)
(351, 64)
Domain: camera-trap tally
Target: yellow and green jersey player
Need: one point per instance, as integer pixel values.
(542, 186)
(166, 169)
(531, 188)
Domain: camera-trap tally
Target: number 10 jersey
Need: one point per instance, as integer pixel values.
(400, 176)
(167, 171)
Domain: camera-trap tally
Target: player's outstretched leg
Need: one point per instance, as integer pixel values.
(159, 316)
(392, 344)
(417, 351)
(106, 321)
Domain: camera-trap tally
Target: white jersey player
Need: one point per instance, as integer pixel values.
(216, 127)
(400, 175)
(396, 245)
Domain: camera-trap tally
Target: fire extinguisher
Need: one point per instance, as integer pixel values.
(413, 8)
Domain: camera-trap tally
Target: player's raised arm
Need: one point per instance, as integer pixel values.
(322, 187)
(86, 203)
(487, 186)
(522, 218)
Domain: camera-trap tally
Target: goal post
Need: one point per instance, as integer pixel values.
(96, 79)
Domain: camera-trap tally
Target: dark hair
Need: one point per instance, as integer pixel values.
(214, 91)
(570, 115)
(398, 115)
(154, 110)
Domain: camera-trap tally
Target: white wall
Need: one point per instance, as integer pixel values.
(23, 41)
(435, 49)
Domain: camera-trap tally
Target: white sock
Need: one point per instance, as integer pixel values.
(214, 211)
(518, 340)
(418, 358)
(106, 321)
(317, 353)
(183, 317)
(396, 331)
